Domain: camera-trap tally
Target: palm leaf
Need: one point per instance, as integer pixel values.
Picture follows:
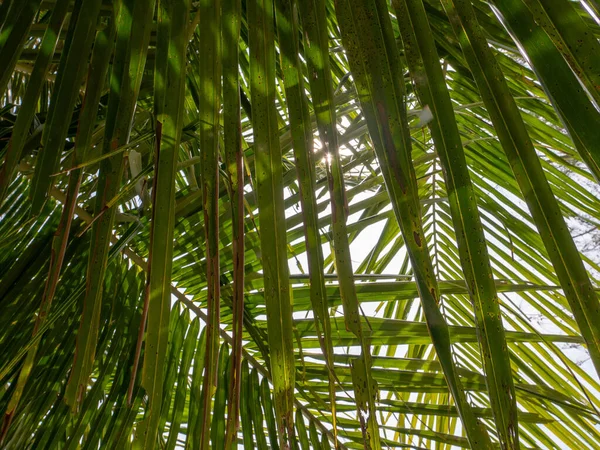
(320, 252)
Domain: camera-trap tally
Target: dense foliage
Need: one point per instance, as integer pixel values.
(299, 224)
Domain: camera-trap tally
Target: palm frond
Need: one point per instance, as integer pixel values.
(371, 225)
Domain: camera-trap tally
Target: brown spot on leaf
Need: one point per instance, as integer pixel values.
(433, 295)
(417, 238)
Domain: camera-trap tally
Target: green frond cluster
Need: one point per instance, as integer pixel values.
(303, 224)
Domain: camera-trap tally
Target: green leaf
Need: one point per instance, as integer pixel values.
(169, 101)
(193, 434)
(527, 169)
(269, 188)
(218, 418)
(423, 62)
(383, 105)
(232, 148)
(573, 37)
(13, 33)
(265, 398)
(256, 407)
(71, 71)
(245, 407)
(34, 89)
(125, 79)
(209, 106)
(573, 106)
(98, 68)
(494, 124)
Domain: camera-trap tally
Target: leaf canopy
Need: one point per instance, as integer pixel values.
(299, 224)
